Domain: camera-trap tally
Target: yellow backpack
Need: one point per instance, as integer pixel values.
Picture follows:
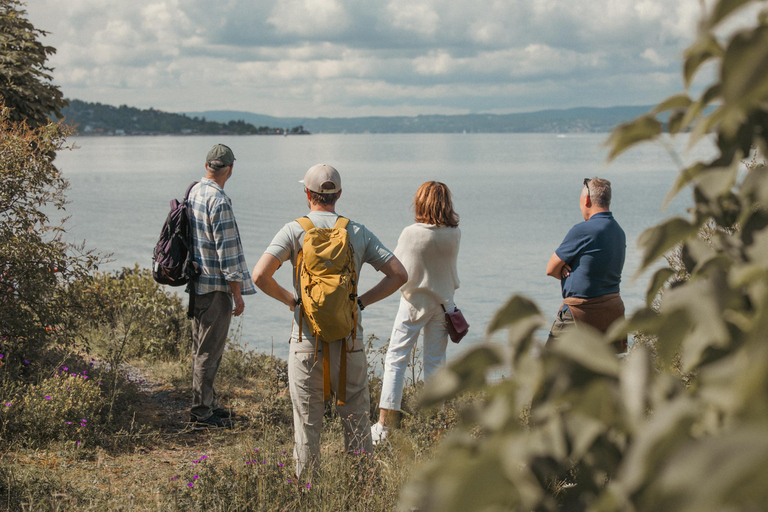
(327, 286)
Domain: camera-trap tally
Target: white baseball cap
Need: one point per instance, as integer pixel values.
(323, 179)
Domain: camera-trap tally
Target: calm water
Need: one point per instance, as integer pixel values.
(517, 195)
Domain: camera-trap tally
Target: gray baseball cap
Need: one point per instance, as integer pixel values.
(220, 156)
(323, 179)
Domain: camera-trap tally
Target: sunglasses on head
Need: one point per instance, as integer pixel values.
(586, 184)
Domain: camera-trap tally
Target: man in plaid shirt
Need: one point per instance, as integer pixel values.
(224, 279)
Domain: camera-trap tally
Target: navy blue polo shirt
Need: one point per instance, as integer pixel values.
(595, 251)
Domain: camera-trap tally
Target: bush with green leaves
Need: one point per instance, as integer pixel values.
(127, 314)
(35, 263)
(608, 434)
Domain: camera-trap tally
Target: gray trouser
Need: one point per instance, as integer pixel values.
(305, 378)
(563, 321)
(213, 312)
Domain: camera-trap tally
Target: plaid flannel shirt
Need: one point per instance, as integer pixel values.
(217, 247)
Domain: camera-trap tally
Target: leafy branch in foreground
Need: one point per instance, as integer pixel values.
(605, 434)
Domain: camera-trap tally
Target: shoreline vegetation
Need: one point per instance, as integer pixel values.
(96, 119)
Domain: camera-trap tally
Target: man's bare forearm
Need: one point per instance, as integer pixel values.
(395, 276)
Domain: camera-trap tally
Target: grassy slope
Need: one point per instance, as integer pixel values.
(155, 462)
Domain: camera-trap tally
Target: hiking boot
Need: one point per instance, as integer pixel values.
(378, 433)
(224, 414)
(212, 421)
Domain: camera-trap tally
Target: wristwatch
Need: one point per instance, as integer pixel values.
(360, 304)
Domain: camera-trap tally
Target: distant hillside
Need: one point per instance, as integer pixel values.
(575, 120)
(98, 119)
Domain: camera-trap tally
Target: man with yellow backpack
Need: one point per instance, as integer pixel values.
(327, 252)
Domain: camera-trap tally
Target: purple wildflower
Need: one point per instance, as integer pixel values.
(47, 397)
(191, 484)
(195, 477)
(309, 485)
(64, 368)
(7, 404)
(280, 464)
(69, 423)
(26, 362)
(1, 355)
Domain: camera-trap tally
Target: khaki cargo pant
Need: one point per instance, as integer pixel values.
(305, 378)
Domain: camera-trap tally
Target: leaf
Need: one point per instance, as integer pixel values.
(582, 432)
(667, 427)
(727, 472)
(521, 317)
(723, 9)
(634, 383)
(465, 374)
(659, 279)
(701, 300)
(586, 347)
(743, 76)
(627, 135)
(676, 102)
(697, 54)
(710, 95)
(675, 122)
(686, 176)
(659, 239)
(517, 308)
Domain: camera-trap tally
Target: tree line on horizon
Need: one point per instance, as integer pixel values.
(100, 119)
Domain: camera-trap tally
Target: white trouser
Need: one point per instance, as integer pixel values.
(409, 322)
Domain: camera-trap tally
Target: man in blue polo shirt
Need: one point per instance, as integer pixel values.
(588, 263)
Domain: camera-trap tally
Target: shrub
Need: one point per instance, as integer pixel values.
(66, 406)
(127, 314)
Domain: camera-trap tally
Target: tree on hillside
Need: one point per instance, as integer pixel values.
(603, 434)
(25, 80)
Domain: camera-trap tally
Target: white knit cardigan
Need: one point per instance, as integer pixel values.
(429, 254)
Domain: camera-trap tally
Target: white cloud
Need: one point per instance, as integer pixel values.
(416, 16)
(309, 17)
(348, 57)
(653, 57)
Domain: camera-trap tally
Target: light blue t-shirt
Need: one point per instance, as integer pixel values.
(368, 249)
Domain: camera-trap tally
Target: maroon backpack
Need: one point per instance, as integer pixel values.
(172, 261)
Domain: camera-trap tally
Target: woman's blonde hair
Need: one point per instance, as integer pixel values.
(433, 205)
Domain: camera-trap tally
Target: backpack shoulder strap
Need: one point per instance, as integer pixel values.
(305, 223)
(189, 189)
(341, 223)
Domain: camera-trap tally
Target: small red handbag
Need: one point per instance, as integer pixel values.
(456, 324)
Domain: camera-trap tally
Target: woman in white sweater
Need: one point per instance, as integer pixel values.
(428, 249)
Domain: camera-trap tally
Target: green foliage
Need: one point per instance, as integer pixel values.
(639, 433)
(127, 314)
(35, 263)
(99, 119)
(25, 80)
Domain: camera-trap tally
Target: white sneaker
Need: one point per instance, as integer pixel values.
(378, 433)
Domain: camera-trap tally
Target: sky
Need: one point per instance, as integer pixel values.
(353, 58)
